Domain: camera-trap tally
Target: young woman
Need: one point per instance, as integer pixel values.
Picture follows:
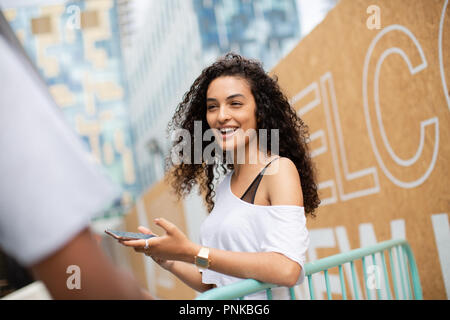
(257, 225)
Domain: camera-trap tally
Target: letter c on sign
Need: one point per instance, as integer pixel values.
(434, 122)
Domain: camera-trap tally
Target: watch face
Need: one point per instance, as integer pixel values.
(202, 262)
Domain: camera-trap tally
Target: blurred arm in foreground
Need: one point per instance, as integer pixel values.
(50, 188)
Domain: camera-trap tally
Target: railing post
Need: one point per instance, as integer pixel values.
(365, 278)
(311, 287)
(414, 273)
(327, 284)
(269, 294)
(341, 277)
(407, 274)
(394, 279)
(292, 293)
(386, 276)
(355, 288)
(377, 279)
(398, 252)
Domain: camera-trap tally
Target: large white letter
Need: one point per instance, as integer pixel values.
(306, 105)
(329, 98)
(441, 58)
(432, 122)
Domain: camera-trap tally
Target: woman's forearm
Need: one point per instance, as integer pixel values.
(190, 275)
(268, 267)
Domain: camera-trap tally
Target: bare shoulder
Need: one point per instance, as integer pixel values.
(282, 166)
(283, 181)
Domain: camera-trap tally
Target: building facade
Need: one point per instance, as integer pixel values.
(262, 29)
(181, 38)
(163, 63)
(76, 48)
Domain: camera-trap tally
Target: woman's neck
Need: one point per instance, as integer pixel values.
(251, 162)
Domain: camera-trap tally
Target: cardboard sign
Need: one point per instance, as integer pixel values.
(372, 83)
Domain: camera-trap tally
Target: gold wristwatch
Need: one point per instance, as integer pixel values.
(202, 258)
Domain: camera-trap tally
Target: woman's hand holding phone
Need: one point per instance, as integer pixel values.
(174, 245)
(165, 264)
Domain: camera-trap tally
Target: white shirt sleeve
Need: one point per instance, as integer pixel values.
(50, 188)
(283, 230)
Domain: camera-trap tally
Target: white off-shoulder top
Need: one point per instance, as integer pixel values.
(236, 225)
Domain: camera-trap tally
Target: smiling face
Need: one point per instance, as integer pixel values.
(230, 108)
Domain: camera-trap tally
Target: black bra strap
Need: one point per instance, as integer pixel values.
(249, 194)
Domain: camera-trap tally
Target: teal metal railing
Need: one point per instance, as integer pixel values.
(403, 276)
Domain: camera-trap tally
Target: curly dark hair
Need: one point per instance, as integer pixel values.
(272, 111)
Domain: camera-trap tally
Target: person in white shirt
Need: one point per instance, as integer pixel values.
(50, 188)
(257, 224)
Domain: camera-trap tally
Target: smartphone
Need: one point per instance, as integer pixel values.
(123, 235)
